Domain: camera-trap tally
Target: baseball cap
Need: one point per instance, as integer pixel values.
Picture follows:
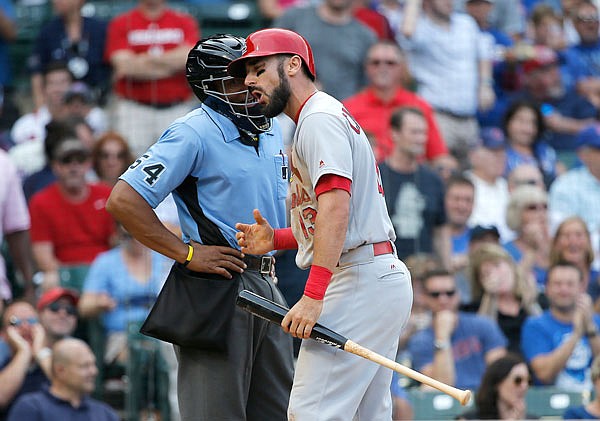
(54, 294)
(79, 90)
(589, 136)
(542, 57)
(492, 138)
(70, 147)
(478, 232)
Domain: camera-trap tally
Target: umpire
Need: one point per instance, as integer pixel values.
(220, 161)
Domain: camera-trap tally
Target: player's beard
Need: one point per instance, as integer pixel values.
(280, 96)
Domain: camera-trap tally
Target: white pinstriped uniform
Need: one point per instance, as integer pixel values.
(369, 297)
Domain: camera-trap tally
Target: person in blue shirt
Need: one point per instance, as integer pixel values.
(591, 410)
(74, 373)
(220, 161)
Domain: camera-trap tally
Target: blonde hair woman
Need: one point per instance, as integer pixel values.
(527, 216)
(505, 294)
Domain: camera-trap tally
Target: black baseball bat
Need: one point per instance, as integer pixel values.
(273, 312)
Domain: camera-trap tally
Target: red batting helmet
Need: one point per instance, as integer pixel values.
(267, 42)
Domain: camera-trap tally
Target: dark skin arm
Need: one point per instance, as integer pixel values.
(139, 219)
(19, 246)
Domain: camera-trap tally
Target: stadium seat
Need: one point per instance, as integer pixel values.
(431, 405)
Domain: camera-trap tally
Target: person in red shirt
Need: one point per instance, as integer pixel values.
(69, 223)
(373, 107)
(147, 48)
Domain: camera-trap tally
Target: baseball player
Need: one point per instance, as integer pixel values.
(356, 285)
(221, 161)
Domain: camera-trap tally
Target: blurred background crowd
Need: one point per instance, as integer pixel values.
(482, 115)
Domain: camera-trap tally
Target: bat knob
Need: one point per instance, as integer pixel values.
(465, 397)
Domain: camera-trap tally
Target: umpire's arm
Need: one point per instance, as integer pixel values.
(140, 220)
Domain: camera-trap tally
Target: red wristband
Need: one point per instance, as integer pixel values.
(283, 239)
(317, 282)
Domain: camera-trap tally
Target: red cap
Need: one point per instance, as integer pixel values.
(543, 57)
(53, 294)
(271, 41)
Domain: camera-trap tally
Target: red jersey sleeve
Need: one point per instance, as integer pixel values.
(40, 229)
(191, 30)
(332, 181)
(116, 37)
(436, 146)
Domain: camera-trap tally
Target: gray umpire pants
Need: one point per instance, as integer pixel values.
(252, 381)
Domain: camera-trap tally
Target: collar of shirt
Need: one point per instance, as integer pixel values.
(83, 405)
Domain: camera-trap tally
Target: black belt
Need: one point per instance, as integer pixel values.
(262, 264)
(454, 115)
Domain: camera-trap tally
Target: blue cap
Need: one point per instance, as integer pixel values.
(492, 138)
(589, 136)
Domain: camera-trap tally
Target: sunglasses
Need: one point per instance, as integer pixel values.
(518, 380)
(56, 307)
(376, 62)
(527, 182)
(588, 18)
(16, 322)
(107, 155)
(436, 294)
(536, 206)
(80, 159)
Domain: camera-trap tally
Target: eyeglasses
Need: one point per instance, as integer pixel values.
(16, 322)
(527, 182)
(588, 18)
(536, 206)
(437, 294)
(68, 308)
(518, 380)
(105, 155)
(69, 159)
(377, 62)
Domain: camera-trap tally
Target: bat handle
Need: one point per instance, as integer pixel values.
(463, 396)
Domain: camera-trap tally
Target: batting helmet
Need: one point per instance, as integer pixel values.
(267, 42)
(206, 73)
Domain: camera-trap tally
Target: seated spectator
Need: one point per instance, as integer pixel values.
(572, 243)
(581, 60)
(559, 344)
(414, 193)
(523, 127)
(527, 216)
(547, 27)
(29, 130)
(501, 291)
(57, 309)
(577, 192)
(56, 132)
(78, 41)
(488, 160)
(525, 174)
(121, 286)
(591, 410)
(69, 223)
(110, 157)
(458, 203)
(373, 106)
(73, 379)
(458, 346)
(21, 348)
(80, 102)
(446, 166)
(501, 395)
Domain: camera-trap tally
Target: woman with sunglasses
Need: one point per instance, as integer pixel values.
(501, 395)
(501, 291)
(110, 157)
(527, 216)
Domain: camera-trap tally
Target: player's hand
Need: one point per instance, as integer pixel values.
(255, 238)
(301, 318)
(216, 259)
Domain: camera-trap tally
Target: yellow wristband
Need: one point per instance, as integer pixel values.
(188, 259)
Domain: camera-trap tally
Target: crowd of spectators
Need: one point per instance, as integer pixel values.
(483, 117)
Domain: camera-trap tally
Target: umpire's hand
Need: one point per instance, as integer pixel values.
(216, 259)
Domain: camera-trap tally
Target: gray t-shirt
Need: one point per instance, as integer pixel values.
(339, 50)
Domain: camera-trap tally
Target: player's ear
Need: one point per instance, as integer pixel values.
(294, 65)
